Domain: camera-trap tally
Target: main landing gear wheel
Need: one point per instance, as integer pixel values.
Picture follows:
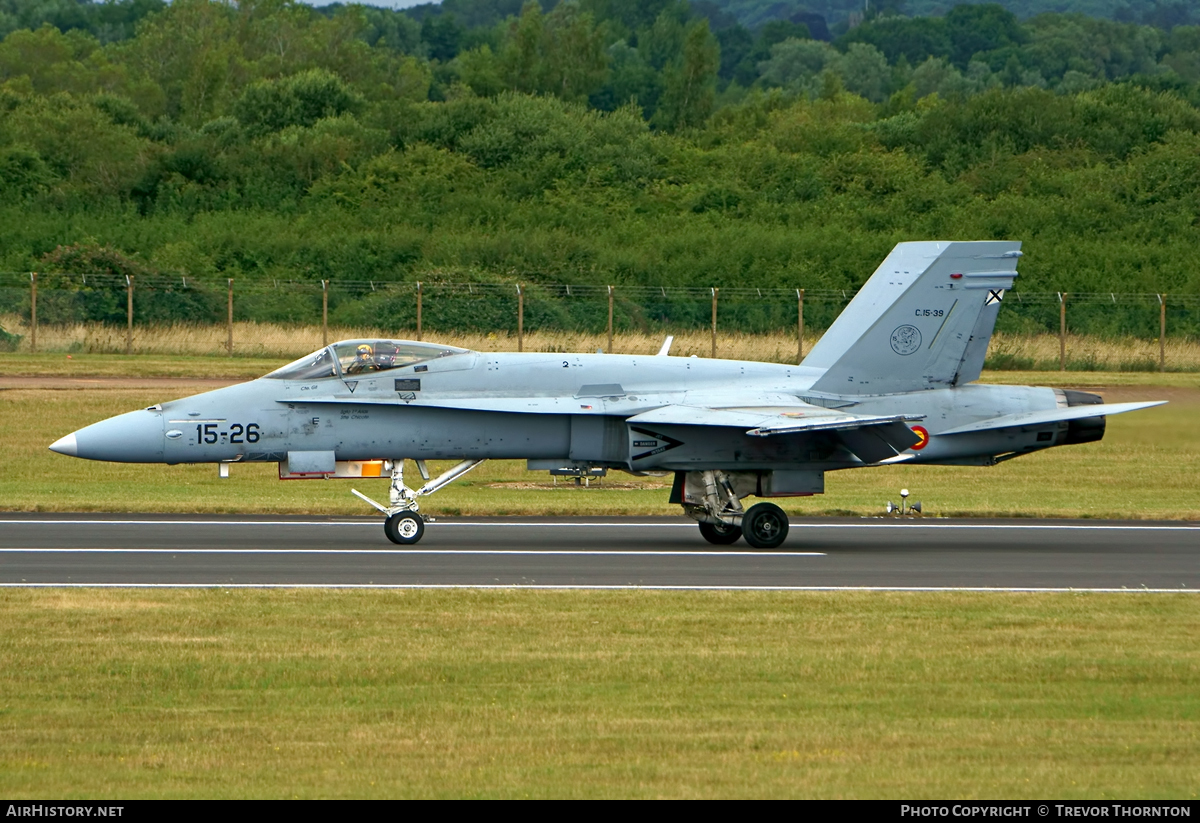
(720, 534)
(404, 528)
(765, 526)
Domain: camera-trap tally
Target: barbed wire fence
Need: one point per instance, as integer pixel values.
(420, 306)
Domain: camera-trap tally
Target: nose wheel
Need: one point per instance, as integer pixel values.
(403, 525)
(404, 528)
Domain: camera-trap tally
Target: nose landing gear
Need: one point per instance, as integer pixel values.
(404, 525)
(404, 528)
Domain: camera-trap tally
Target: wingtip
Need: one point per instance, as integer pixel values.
(66, 445)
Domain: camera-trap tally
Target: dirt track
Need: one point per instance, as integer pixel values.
(194, 384)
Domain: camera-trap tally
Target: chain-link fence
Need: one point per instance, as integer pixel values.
(417, 308)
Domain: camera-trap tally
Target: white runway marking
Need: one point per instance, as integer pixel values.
(372, 523)
(901, 525)
(618, 587)
(344, 552)
(800, 525)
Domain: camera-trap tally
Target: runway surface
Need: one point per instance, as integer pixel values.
(824, 553)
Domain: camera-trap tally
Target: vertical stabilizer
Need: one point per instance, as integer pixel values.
(922, 321)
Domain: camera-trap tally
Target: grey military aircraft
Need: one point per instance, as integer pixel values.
(891, 381)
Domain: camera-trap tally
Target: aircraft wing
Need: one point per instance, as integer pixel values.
(758, 420)
(871, 438)
(763, 422)
(1038, 418)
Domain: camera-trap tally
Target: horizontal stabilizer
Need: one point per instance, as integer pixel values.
(1040, 418)
(880, 442)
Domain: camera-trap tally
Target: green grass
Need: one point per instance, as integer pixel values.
(238, 693)
(1076, 379)
(1144, 468)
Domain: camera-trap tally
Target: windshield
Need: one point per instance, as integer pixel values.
(356, 357)
(310, 367)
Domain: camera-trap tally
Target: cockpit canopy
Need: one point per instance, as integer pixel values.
(348, 358)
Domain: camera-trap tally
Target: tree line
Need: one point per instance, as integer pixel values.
(595, 141)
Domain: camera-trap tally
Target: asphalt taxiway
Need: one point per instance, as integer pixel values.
(820, 553)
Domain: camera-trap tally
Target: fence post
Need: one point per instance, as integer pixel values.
(799, 326)
(33, 311)
(324, 312)
(610, 319)
(1062, 331)
(418, 311)
(128, 314)
(520, 318)
(229, 321)
(714, 323)
(1162, 332)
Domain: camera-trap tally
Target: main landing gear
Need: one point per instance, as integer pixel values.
(765, 526)
(404, 524)
(712, 498)
(720, 534)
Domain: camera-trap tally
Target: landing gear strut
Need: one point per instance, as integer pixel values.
(404, 525)
(713, 498)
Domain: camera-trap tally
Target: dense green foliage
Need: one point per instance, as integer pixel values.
(838, 14)
(604, 141)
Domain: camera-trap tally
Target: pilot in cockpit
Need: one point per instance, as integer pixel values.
(364, 360)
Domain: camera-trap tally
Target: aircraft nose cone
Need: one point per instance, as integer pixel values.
(136, 437)
(66, 445)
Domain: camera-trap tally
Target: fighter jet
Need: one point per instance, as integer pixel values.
(892, 380)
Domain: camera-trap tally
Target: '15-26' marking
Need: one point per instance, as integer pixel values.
(208, 433)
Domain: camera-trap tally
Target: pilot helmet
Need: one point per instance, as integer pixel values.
(363, 352)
